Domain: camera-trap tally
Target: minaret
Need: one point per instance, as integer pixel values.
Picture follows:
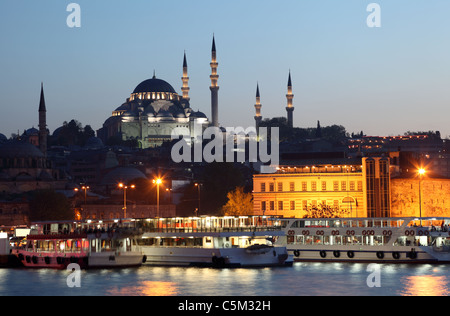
(214, 87)
(290, 108)
(258, 116)
(42, 123)
(185, 80)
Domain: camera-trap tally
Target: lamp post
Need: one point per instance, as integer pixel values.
(85, 188)
(198, 185)
(157, 181)
(421, 172)
(125, 187)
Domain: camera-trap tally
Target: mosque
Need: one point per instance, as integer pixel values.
(154, 109)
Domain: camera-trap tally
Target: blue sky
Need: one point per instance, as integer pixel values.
(384, 81)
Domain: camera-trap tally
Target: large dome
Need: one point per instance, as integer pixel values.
(19, 149)
(154, 85)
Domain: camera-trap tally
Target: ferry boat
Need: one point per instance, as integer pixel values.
(101, 244)
(386, 240)
(209, 241)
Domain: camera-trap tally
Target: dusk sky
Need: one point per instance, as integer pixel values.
(384, 81)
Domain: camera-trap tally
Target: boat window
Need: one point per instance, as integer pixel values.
(298, 224)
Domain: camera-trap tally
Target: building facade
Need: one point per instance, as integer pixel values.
(361, 189)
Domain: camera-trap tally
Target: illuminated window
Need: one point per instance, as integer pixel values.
(280, 205)
(313, 186)
(292, 186)
(324, 185)
(304, 186)
(280, 186)
(335, 185)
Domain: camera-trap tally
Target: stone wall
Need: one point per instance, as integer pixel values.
(405, 200)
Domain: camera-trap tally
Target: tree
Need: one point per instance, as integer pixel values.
(48, 205)
(219, 179)
(325, 211)
(239, 203)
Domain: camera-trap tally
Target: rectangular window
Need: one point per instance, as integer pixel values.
(271, 187)
(280, 205)
(263, 187)
(335, 185)
(263, 205)
(324, 185)
(292, 186)
(352, 185)
(360, 186)
(280, 186)
(292, 205)
(304, 205)
(343, 185)
(272, 205)
(313, 186)
(304, 186)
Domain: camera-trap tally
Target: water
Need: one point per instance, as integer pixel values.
(312, 279)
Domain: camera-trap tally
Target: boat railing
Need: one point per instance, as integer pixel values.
(210, 229)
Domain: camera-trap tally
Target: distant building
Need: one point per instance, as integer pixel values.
(362, 187)
(24, 165)
(154, 109)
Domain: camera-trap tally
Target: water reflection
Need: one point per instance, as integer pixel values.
(425, 285)
(145, 288)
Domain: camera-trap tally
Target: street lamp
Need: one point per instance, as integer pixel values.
(198, 185)
(125, 187)
(421, 173)
(157, 181)
(85, 188)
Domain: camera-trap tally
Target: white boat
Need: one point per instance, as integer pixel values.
(91, 244)
(393, 240)
(114, 249)
(209, 241)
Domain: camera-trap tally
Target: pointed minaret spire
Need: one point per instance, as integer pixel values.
(290, 97)
(214, 87)
(185, 79)
(42, 100)
(258, 116)
(43, 133)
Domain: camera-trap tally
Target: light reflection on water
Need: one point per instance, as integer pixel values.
(301, 279)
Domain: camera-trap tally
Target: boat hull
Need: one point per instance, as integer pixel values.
(382, 254)
(50, 260)
(115, 260)
(215, 257)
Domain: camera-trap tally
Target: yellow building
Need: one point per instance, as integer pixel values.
(361, 188)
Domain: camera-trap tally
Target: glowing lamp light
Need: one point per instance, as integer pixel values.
(421, 171)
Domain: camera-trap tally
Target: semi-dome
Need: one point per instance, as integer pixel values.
(154, 85)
